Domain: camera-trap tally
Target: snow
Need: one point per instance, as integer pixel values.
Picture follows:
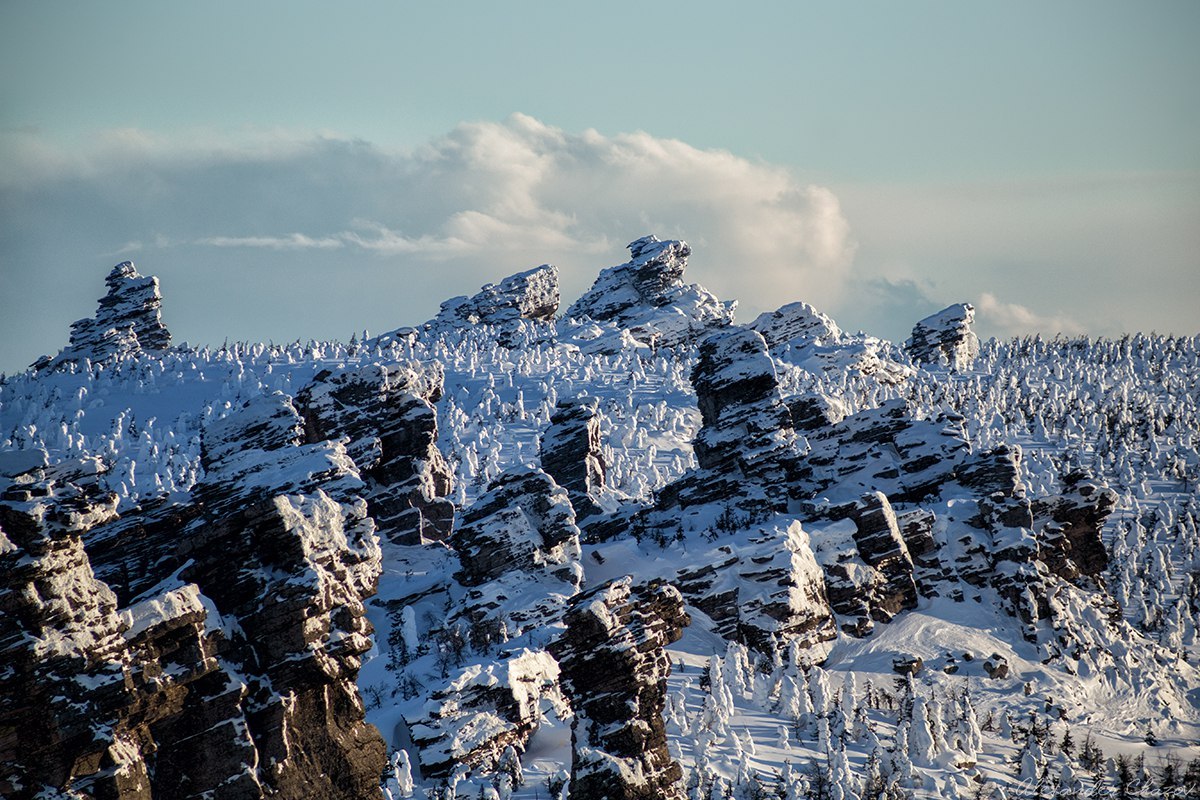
(1124, 409)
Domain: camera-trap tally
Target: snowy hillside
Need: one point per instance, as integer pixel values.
(623, 548)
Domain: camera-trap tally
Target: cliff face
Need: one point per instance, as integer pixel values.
(236, 672)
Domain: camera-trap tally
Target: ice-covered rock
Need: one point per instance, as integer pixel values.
(388, 414)
(614, 671)
(572, 453)
(763, 589)
(646, 297)
(484, 709)
(802, 336)
(946, 337)
(530, 295)
(127, 321)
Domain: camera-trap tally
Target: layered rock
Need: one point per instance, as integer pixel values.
(572, 453)
(388, 414)
(63, 681)
(647, 297)
(518, 546)
(800, 335)
(531, 295)
(763, 589)
(746, 447)
(946, 338)
(482, 710)
(304, 557)
(614, 671)
(1071, 525)
(127, 321)
(518, 549)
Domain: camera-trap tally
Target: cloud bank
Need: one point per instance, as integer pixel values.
(278, 236)
(408, 228)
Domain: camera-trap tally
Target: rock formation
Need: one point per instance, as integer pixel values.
(647, 297)
(572, 454)
(483, 709)
(388, 414)
(746, 447)
(127, 321)
(236, 672)
(946, 337)
(763, 589)
(518, 548)
(614, 670)
(531, 295)
(800, 335)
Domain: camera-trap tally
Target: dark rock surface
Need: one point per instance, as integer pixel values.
(236, 673)
(389, 416)
(572, 453)
(946, 338)
(614, 670)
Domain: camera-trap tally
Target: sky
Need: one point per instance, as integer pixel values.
(308, 170)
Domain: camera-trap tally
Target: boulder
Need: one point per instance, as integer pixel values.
(945, 338)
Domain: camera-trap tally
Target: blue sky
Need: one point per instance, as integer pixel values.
(300, 169)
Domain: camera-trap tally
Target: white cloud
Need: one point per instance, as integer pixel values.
(491, 197)
(995, 317)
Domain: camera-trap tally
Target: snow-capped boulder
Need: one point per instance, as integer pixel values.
(763, 589)
(482, 710)
(388, 414)
(614, 671)
(127, 321)
(572, 453)
(800, 335)
(646, 297)
(746, 447)
(530, 295)
(946, 337)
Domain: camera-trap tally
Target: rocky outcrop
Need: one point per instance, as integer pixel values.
(647, 297)
(746, 447)
(236, 673)
(764, 589)
(946, 338)
(388, 414)
(128, 320)
(518, 546)
(802, 336)
(572, 453)
(1071, 525)
(614, 671)
(287, 553)
(531, 295)
(62, 685)
(885, 449)
(483, 709)
(518, 549)
(881, 545)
